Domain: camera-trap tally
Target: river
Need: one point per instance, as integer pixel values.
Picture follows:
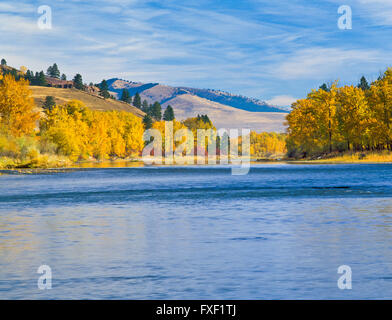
(280, 232)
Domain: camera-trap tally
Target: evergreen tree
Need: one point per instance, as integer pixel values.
(63, 77)
(3, 62)
(49, 103)
(104, 89)
(53, 71)
(156, 111)
(204, 118)
(145, 106)
(168, 114)
(78, 82)
(324, 87)
(41, 79)
(363, 84)
(137, 101)
(147, 121)
(36, 79)
(30, 77)
(125, 96)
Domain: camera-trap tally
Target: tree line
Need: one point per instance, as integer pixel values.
(76, 132)
(338, 119)
(153, 111)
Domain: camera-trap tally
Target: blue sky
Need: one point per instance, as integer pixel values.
(272, 50)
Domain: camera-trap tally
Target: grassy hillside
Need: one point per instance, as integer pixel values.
(91, 101)
(162, 93)
(224, 116)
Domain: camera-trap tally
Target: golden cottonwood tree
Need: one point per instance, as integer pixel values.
(303, 127)
(160, 126)
(267, 143)
(325, 103)
(380, 102)
(340, 119)
(352, 115)
(16, 106)
(81, 133)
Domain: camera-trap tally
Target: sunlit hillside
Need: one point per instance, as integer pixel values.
(93, 102)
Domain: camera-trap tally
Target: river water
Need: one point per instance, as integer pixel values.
(280, 232)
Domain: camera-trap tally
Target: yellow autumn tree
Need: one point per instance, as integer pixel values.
(380, 103)
(17, 113)
(352, 116)
(303, 130)
(265, 144)
(204, 123)
(81, 133)
(325, 103)
(342, 119)
(161, 127)
(65, 126)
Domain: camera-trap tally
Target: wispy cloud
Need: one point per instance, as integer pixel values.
(322, 63)
(282, 101)
(271, 50)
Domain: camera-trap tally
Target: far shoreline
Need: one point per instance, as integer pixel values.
(120, 164)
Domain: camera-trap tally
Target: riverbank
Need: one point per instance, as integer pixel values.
(44, 163)
(36, 162)
(352, 157)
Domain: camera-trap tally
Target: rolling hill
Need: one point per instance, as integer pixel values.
(224, 109)
(91, 101)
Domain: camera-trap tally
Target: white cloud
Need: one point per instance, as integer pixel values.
(199, 43)
(380, 11)
(282, 101)
(323, 63)
(16, 8)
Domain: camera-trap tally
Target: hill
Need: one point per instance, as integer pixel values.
(157, 92)
(224, 116)
(91, 101)
(224, 109)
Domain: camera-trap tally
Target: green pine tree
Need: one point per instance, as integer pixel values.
(30, 77)
(363, 84)
(3, 62)
(104, 89)
(324, 87)
(41, 79)
(53, 71)
(147, 121)
(145, 106)
(156, 111)
(78, 82)
(125, 96)
(168, 115)
(137, 101)
(49, 103)
(63, 77)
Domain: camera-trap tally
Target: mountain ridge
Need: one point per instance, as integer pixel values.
(234, 100)
(226, 110)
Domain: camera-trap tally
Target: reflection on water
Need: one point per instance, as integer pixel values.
(280, 232)
(109, 164)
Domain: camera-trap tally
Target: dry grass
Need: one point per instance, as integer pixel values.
(91, 101)
(359, 157)
(41, 161)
